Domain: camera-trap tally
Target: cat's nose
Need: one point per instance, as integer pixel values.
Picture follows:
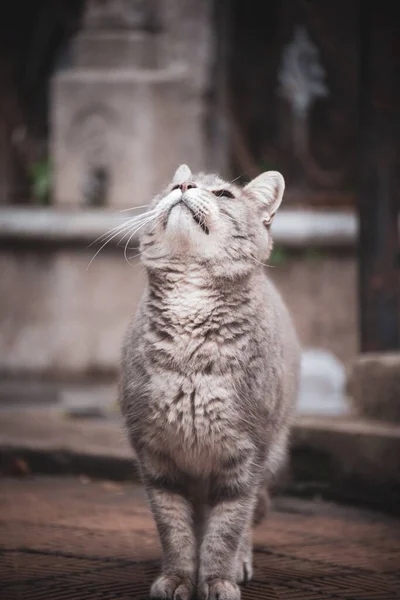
(187, 185)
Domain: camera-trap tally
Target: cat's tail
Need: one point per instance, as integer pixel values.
(270, 487)
(262, 507)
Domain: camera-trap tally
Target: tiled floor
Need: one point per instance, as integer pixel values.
(67, 539)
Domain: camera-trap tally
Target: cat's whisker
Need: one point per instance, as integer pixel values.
(238, 177)
(107, 233)
(108, 240)
(101, 248)
(135, 224)
(120, 227)
(260, 262)
(117, 228)
(120, 230)
(135, 207)
(131, 236)
(140, 252)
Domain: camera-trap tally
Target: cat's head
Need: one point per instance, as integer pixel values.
(206, 220)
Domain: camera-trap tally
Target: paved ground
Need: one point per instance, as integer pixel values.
(67, 539)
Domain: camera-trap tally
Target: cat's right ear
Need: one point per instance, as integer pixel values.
(183, 173)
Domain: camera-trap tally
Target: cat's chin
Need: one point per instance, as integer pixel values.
(182, 234)
(185, 247)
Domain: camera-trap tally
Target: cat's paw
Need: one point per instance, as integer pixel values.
(219, 589)
(244, 568)
(172, 587)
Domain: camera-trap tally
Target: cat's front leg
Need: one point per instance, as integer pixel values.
(227, 527)
(173, 514)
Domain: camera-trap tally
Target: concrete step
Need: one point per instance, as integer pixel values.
(344, 458)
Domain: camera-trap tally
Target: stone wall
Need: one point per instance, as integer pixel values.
(133, 105)
(59, 318)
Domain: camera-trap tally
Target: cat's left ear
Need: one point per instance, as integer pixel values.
(182, 174)
(268, 189)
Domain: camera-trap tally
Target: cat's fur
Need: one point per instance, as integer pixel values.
(209, 378)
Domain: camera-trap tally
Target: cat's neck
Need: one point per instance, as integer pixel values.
(176, 274)
(179, 279)
(186, 295)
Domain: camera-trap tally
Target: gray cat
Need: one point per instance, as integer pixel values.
(209, 378)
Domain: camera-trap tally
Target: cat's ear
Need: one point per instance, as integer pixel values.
(183, 173)
(268, 189)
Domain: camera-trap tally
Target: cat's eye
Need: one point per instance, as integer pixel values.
(223, 194)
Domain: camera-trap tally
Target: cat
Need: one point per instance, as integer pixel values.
(209, 378)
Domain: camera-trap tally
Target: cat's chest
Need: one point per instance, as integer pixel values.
(196, 429)
(197, 333)
(198, 410)
(194, 347)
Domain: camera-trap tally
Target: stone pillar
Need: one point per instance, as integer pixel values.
(131, 107)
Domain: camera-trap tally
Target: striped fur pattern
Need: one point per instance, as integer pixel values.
(209, 378)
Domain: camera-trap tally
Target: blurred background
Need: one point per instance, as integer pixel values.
(100, 101)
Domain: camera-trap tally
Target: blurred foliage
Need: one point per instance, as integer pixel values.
(278, 257)
(267, 166)
(314, 254)
(40, 174)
